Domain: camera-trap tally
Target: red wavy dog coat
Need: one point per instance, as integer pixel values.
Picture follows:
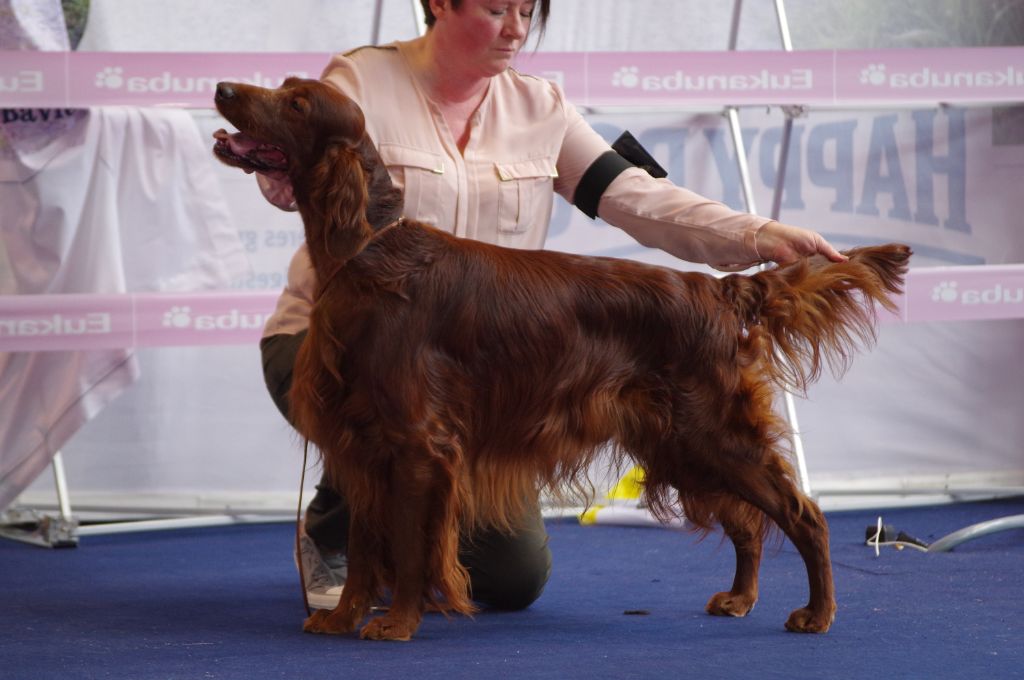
(445, 380)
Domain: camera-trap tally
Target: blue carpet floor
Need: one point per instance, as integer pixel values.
(223, 603)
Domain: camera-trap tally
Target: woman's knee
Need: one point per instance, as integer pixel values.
(519, 582)
(508, 571)
(278, 353)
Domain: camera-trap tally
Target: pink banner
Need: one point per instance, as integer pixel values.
(61, 322)
(963, 76)
(30, 323)
(687, 79)
(965, 293)
(187, 79)
(36, 79)
(677, 79)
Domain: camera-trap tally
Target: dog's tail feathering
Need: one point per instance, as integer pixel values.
(815, 312)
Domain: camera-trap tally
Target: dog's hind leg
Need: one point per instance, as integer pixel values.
(744, 525)
(767, 486)
(810, 535)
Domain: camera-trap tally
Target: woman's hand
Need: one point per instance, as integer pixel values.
(783, 244)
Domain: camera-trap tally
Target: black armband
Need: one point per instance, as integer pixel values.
(626, 153)
(596, 179)
(629, 148)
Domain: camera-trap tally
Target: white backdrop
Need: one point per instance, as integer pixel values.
(933, 403)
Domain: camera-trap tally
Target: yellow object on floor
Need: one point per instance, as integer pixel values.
(625, 506)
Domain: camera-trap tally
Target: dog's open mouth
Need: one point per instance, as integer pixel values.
(251, 155)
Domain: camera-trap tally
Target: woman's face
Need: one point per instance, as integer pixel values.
(485, 34)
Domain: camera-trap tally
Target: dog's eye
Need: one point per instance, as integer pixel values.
(299, 105)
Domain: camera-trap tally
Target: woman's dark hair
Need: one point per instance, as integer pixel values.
(541, 10)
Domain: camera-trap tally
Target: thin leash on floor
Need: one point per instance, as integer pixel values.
(298, 531)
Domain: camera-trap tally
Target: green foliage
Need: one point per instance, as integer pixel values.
(76, 13)
(875, 24)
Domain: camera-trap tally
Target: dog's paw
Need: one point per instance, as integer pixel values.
(730, 604)
(316, 622)
(328, 623)
(388, 628)
(806, 620)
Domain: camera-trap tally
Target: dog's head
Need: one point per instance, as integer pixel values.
(286, 129)
(309, 133)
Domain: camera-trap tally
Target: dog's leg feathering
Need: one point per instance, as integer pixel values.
(423, 530)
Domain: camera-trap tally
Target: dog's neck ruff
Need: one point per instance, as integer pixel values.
(376, 234)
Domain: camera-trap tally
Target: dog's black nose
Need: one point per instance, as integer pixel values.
(225, 91)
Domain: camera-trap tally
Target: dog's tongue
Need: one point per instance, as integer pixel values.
(245, 146)
(239, 143)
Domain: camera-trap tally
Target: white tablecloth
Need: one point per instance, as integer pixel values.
(126, 200)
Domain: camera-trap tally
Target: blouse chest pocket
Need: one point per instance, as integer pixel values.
(526, 189)
(420, 176)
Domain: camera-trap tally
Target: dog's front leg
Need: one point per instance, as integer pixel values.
(410, 499)
(361, 587)
(423, 542)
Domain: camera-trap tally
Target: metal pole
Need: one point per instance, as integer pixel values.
(780, 176)
(420, 18)
(734, 28)
(791, 112)
(780, 183)
(748, 194)
(947, 543)
(741, 157)
(780, 14)
(167, 524)
(29, 526)
(63, 500)
(733, 118)
(798, 442)
(378, 11)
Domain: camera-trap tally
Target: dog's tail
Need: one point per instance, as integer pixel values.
(814, 312)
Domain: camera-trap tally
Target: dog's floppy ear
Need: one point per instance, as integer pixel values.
(340, 199)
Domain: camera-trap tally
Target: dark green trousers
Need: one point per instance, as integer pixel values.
(506, 570)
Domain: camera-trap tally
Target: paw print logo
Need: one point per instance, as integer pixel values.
(111, 77)
(945, 292)
(627, 76)
(178, 317)
(874, 74)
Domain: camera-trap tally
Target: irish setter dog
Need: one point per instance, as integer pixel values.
(445, 380)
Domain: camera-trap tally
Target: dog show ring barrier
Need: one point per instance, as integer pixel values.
(596, 82)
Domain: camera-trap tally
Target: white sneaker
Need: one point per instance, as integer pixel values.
(324, 574)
